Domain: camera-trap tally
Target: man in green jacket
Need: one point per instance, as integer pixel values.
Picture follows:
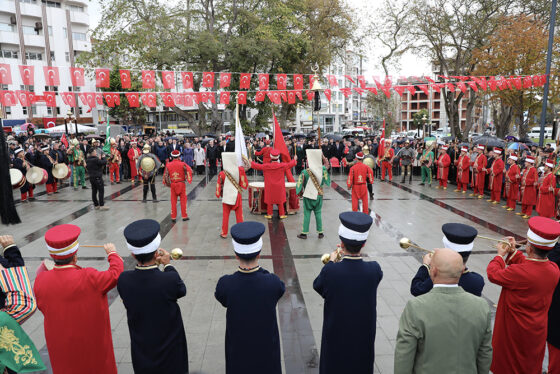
(446, 330)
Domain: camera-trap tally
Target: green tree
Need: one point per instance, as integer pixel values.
(124, 113)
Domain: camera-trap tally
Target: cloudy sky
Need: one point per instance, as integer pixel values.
(410, 65)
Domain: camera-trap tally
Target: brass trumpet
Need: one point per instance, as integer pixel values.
(327, 256)
(176, 253)
(405, 243)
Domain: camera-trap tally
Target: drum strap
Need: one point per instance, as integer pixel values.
(315, 182)
(233, 181)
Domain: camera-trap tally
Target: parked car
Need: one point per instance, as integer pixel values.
(536, 132)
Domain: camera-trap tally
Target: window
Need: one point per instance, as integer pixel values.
(33, 56)
(69, 88)
(52, 4)
(67, 56)
(80, 110)
(28, 1)
(79, 36)
(57, 111)
(24, 110)
(50, 30)
(52, 56)
(8, 109)
(29, 88)
(75, 8)
(9, 54)
(30, 30)
(7, 27)
(49, 111)
(4, 87)
(65, 32)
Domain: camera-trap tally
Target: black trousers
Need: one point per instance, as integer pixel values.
(200, 169)
(151, 184)
(97, 189)
(213, 168)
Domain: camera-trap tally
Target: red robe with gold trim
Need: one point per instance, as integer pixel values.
(133, 155)
(528, 189)
(443, 163)
(463, 166)
(546, 203)
(77, 325)
(521, 325)
(274, 185)
(512, 182)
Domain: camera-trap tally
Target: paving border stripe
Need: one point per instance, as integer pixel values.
(298, 343)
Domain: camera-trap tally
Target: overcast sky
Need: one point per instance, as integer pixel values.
(410, 65)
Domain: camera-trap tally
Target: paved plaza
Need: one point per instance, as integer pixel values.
(398, 210)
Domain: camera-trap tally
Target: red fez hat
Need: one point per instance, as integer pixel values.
(274, 153)
(445, 147)
(497, 151)
(360, 155)
(549, 163)
(513, 156)
(530, 159)
(62, 241)
(464, 149)
(175, 154)
(543, 232)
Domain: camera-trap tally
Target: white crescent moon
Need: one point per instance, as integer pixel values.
(4, 70)
(102, 74)
(26, 70)
(124, 76)
(77, 73)
(50, 123)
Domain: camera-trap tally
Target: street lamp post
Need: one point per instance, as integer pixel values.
(424, 120)
(316, 88)
(68, 117)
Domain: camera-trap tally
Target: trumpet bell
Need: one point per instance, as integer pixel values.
(368, 161)
(325, 258)
(405, 243)
(176, 253)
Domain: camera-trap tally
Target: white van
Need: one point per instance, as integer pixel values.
(536, 132)
(352, 131)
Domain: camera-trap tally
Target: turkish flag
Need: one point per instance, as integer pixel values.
(224, 98)
(260, 95)
(5, 74)
(263, 81)
(98, 98)
(148, 79)
(102, 78)
(149, 99)
(245, 81)
(83, 98)
(225, 80)
(279, 143)
(517, 82)
(51, 75)
(167, 99)
(328, 94)
(359, 90)
(187, 79)
(399, 89)
(202, 97)
(373, 90)
(473, 86)
(527, 82)
(437, 87)
(49, 122)
(23, 98)
(208, 79)
(281, 81)
(112, 99)
(299, 95)
(424, 89)
(346, 91)
(27, 73)
(126, 82)
(310, 95)
(362, 81)
(493, 83)
(31, 97)
(298, 82)
(349, 77)
(274, 97)
(50, 98)
(242, 98)
(332, 81)
(462, 86)
(284, 96)
(179, 98)
(212, 97)
(132, 98)
(77, 77)
(291, 97)
(450, 86)
(64, 140)
(311, 81)
(8, 98)
(189, 99)
(68, 98)
(168, 79)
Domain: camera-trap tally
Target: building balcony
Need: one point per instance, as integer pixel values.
(81, 18)
(81, 46)
(30, 10)
(8, 37)
(34, 40)
(7, 6)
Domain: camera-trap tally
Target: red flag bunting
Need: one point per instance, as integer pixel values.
(473, 86)
(299, 95)
(386, 91)
(429, 80)
(260, 95)
(349, 78)
(284, 96)
(98, 98)
(279, 143)
(132, 98)
(263, 81)
(112, 99)
(332, 80)
(8, 98)
(424, 89)
(102, 78)
(148, 79)
(377, 82)
(245, 81)
(224, 97)
(298, 82)
(77, 77)
(462, 86)
(311, 81)
(399, 90)
(328, 94)
(274, 96)
(69, 98)
(178, 98)
(225, 80)
(310, 95)
(362, 81)
(167, 99)
(346, 91)
(208, 79)
(52, 77)
(373, 90)
(281, 81)
(493, 83)
(242, 98)
(188, 99)
(50, 98)
(450, 86)
(23, 98)
(168, 79)
(527, 82)
(291, 97)
(27, 73)
(359, 90)
(411, 89)
(149, 99)
(187, 79)
(5, 74)
(125, 78)
(212, 97)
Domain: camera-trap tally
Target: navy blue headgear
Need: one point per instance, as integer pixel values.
(246, 238)
(458, 237)
(354, 227)
(142, 236)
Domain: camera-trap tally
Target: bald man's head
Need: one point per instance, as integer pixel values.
(446, 266)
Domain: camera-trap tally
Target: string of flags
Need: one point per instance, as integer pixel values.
(289, 87)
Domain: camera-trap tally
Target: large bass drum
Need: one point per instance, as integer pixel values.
(17, 178)
(61, 171)
(36, 175)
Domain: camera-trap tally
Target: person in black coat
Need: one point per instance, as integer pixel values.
(157, 334)
(250, 296)
(460, 238)
(95, 164)
(212, 154)
(553, 338)
(46, 162)
(349, 288)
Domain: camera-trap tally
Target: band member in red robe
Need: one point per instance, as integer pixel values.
(133, 154)
(513, 177)
(546, 206)
(529, 183)
(265, 153)
(443, 163)
(274, 185)
(231, 183)
(114, 162)
(73, 301)
(175, 174)
(496, 176)
(528, 283)
(478, 171)
(358, 177)
(387, 161)
(463, 166)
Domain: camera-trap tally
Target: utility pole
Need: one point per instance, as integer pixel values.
(548, 62)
